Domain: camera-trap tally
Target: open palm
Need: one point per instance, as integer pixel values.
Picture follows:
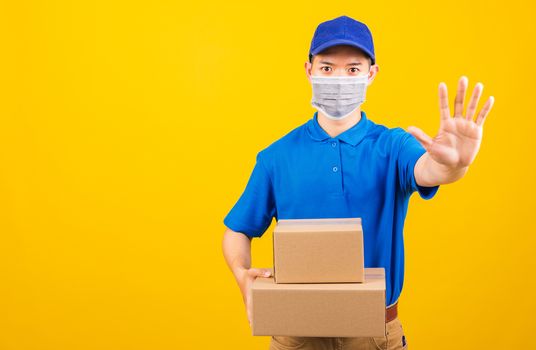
(458, 139)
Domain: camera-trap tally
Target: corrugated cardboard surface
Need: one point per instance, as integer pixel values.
(318, 250)
(320, 309)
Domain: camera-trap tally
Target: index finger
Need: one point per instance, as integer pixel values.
(443, 102)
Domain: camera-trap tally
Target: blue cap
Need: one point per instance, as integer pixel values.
(342, 30)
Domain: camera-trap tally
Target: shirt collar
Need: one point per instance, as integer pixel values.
(351, 136)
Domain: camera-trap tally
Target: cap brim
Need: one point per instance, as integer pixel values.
(335, 42)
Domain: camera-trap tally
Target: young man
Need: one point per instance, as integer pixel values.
(342, 164)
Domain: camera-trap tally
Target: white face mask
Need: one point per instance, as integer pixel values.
(338, 96)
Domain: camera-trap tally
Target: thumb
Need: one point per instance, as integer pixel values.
(425, 140)
(254, 272)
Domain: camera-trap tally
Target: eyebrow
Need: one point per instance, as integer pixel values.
(349, 64)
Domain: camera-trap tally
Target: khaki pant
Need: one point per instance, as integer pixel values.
(394, 340)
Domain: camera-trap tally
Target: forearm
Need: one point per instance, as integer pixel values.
(430, 173)
(237, 252)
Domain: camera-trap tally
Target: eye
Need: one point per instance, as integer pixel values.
(325, 68)
(354, 70)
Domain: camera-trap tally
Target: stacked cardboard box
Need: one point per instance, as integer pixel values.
(320, 286)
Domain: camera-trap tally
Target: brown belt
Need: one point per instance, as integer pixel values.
(391, 312)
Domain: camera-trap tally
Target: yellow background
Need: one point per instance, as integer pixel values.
(128, 130)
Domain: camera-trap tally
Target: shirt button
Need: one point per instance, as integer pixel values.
(335, 169)
(334, 144)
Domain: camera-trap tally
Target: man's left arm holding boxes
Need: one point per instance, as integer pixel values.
(250, 217)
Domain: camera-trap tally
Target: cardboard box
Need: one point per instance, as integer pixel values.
(318, 250)
(320, 309)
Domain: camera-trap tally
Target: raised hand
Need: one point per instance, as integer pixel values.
(459, 137)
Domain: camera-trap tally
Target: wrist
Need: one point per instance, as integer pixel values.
(453, 172)
(240, 272)
(457, 170)
(434, 173)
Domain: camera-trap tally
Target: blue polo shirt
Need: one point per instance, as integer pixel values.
(366, 171)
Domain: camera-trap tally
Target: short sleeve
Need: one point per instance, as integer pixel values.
(410, 151)
(253, 212)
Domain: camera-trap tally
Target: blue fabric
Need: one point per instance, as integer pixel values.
(366, 172)
(342, 30)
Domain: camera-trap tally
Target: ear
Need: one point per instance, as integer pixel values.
(308, 70)
(374, 69)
